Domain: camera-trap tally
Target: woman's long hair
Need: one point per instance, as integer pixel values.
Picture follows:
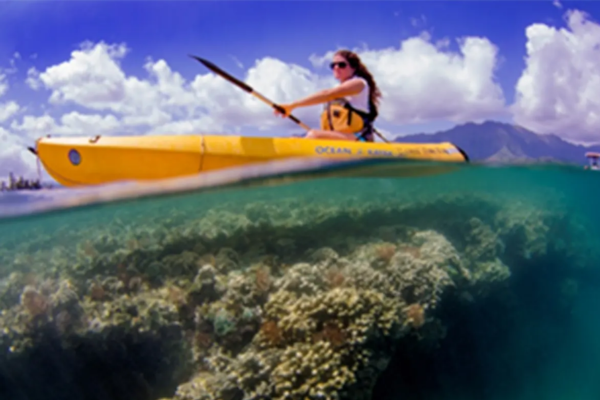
(362, 71)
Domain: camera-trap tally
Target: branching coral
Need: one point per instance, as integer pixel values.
(325, 338)
(314, 371)
(303, 278)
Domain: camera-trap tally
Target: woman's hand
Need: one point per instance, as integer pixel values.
(287, 108)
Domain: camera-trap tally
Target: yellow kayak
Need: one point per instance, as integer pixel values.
(97, 160)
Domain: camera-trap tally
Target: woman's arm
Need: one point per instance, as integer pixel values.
(348, 88)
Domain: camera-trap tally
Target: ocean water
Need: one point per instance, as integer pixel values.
(376, 280)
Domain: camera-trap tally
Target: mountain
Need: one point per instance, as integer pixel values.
(497, 141)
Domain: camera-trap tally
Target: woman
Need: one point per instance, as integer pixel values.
(350, 107)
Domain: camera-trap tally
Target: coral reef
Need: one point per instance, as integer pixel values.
(262, 299)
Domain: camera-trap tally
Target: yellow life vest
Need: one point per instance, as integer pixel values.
(338, 115)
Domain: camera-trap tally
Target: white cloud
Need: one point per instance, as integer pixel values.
(418, 21)
(92, 77)
(165, 101)
(559, 90)
(14, 156)
(7, 110)
(33, 80)
(73, 123)
(34, 127)
(275, 80)
(237, 62)
(421, 81)
(3, 85)
(556, 3)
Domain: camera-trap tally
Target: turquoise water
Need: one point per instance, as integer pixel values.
(476, 283)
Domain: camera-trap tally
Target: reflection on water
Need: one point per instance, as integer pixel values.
(474, 283)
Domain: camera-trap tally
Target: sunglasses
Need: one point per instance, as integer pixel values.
(341, 64)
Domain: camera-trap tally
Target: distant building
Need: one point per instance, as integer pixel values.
(21, 183)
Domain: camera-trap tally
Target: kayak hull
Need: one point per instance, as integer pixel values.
(91, 161)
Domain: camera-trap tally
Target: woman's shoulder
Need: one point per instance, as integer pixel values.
(359, 79)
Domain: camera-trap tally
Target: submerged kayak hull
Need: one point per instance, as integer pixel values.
(91, 161)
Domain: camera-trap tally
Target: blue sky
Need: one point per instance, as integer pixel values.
(248, 30)
(237, 34)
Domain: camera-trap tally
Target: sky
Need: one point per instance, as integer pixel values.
(82, 68)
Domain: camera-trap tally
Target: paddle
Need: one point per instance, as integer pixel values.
(248, 89)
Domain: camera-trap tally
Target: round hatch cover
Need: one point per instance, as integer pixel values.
(74, 157)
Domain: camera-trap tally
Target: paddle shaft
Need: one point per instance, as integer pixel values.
(248, 89)
(280, 109)
(380, 135)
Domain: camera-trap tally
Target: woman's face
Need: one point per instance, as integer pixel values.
(341, 68)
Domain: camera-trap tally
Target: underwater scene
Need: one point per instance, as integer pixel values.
(472, 283)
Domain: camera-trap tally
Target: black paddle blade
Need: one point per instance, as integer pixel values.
(224, 74)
